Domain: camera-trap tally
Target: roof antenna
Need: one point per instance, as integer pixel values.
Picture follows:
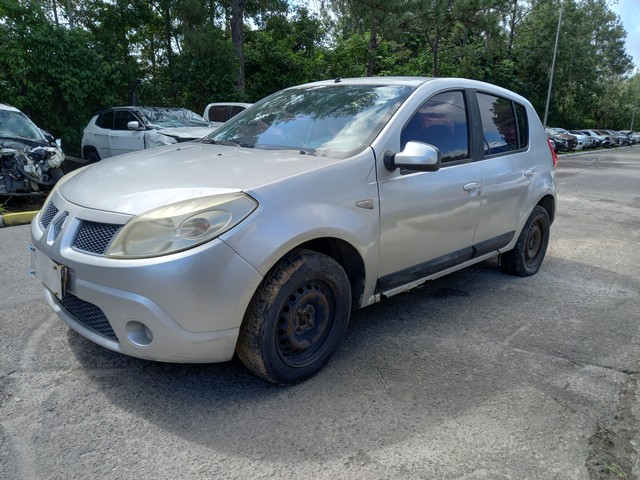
(337, 80)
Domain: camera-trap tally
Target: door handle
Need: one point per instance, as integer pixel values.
(471, 186)
(529, 174)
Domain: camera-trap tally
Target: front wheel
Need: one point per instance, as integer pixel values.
(296, 319)
(527, 255)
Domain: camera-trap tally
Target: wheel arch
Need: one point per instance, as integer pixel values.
(87, 149)
(549, 204)
(346, 255)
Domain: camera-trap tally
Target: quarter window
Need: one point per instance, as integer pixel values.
(502, 131)
(442, 122)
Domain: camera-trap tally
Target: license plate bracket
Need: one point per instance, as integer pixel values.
(52, 275)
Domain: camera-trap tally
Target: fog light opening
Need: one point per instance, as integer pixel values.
(138, 333)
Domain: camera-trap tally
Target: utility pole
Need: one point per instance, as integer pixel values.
(553, 66)
(633, 117)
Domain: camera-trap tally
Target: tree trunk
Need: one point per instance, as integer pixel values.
(373, 46)
(237, 38)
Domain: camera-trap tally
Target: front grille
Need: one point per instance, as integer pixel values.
(95, 237)
(88, 315)
(50, 211)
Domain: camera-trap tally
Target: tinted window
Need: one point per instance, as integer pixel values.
(105, 120)
(441, 121)
(523, 125)
(121, 119)
(218, 113)
(498, 124)
(236, 110)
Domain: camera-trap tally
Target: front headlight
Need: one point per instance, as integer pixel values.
(180, 226)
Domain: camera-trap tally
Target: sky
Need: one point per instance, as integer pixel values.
(629, 13)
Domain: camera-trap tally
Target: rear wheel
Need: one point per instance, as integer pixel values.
(92, 156)
(527, 255)
(296, 319)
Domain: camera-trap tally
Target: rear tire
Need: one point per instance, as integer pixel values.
(296, 319)
(92, 156)
(527, 255)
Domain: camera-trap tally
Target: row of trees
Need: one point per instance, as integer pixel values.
(62, 60)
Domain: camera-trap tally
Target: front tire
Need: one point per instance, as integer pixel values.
(296, 319)
(527, 255)
(55, 174)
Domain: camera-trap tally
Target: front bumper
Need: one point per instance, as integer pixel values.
(185, 307)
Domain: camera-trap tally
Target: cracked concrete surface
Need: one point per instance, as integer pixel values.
(475, 376)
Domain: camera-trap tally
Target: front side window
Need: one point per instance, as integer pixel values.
(122, 118)
(326, 120)
(442, 122)
(499, 126)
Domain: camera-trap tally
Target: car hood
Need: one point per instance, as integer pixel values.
(187, 133)
(137, 182)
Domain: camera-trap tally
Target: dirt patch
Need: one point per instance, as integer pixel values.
(612, 451)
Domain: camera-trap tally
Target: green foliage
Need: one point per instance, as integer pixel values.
(180, 53)
(51, 73)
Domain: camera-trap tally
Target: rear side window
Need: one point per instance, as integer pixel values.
(442, 122)
(218, 113)
(105, 120)
(236, 109)
(504, 124)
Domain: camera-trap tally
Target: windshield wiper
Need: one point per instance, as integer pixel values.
(226, 143)
(301, 151)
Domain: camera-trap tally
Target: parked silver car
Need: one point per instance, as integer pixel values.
(262, 237)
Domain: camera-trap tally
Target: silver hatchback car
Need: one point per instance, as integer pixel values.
(262, 237)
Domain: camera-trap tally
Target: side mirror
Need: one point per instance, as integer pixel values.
(134, 125)
(416, 156)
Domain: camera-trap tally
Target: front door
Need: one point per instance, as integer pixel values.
(428, 219)
(121, 139)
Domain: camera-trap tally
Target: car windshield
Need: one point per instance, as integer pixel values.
(172, 117)
(331, 120)
(16, 125)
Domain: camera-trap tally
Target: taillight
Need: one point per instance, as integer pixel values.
(554, 155)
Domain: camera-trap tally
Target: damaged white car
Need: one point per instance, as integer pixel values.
(30, 159)
(119, 130)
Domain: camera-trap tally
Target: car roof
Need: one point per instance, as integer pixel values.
(412, 81)
(137, 108)
(241, 104)
(4, 106)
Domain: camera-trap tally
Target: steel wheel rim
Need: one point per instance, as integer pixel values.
(534, 243)
(305, 323)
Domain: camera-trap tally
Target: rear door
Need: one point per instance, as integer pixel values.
(509, 171)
